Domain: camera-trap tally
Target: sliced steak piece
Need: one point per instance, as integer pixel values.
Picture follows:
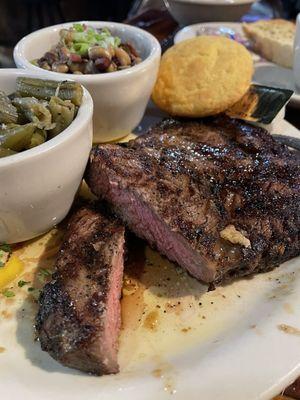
(219, 197)
(79, 319)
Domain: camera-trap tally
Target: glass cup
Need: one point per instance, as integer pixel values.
(296, 66)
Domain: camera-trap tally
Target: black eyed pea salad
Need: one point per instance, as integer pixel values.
(38, 110)
(85, 50)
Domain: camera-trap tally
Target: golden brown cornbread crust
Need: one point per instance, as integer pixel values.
(202, 76)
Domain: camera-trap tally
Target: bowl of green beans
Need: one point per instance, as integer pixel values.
(45, 139)
(120, 94)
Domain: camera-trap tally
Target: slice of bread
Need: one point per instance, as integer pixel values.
(273, 40)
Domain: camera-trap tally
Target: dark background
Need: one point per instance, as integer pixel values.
(20, 17)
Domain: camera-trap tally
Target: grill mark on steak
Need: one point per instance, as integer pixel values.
(179, 186)
(78, 321)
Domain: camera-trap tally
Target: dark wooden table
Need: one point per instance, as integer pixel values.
(163, 26)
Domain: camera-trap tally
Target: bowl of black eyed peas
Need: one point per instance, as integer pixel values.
(45, 139)
(117, 63)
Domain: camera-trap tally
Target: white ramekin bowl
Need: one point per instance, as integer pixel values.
(120, 97)
(188, 12)
(37, 186)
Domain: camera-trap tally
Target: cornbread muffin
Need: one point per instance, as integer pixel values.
(202, 76)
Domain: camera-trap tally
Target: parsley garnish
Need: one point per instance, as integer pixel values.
(22, 283)
(44, 272)
(35, 293)
(8, 293)
(4, 255)
(5, 247)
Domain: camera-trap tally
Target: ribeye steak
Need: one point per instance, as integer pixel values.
(218, 196)
(79, 319)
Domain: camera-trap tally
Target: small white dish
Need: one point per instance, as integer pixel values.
(120, 98)
(270, 74)
(193, 11)
(37, 186)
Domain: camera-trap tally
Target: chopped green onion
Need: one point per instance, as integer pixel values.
(83, 39)
(5, 252)
(79, 37)
(78, 27)
(45, 272)
(5, 247)
(8, 293)
(22, 283)
(117, 41)
(43, 275)
(81, 48)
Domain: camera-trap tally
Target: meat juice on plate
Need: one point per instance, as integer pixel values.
(165, 312)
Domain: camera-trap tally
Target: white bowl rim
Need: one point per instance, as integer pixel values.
(193, 27)
(89, 78)
(215, 2)
(85, 113)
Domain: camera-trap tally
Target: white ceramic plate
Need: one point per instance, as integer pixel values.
(241, 341)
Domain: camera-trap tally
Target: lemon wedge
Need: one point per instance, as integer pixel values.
(12, 268)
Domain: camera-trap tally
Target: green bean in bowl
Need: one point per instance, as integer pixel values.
(36, 112)
(85, 50)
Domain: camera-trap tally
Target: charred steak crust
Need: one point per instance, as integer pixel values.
(187, 184)
(78, 320)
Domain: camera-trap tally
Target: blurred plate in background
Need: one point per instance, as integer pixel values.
(191, 11)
